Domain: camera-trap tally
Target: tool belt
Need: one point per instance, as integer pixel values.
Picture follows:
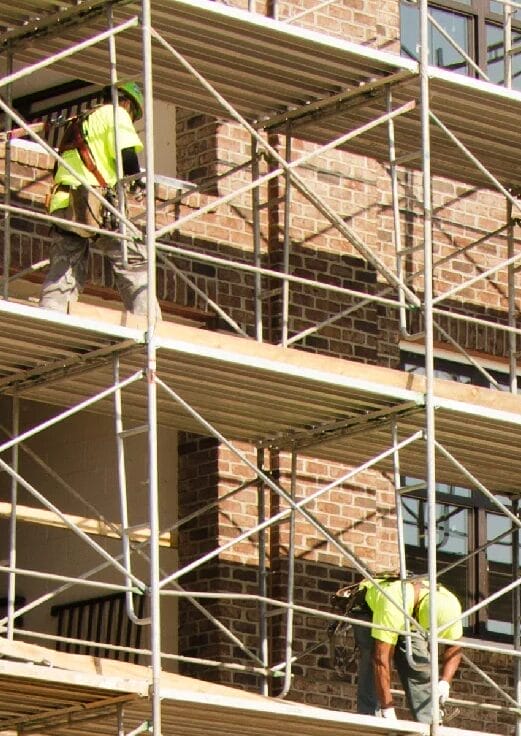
(86, 209)
(350, 599)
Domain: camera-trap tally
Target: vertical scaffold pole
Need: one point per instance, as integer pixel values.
(512, 357)
(398, 502)
(287, 242)
(516, 611)
(429, 359)
(123, 496)
(396, 211)
(291, 581)
(155, 600)
(512, 308)
(263, 574)
(400, 531)
(255, 220)
(507, 43)
(11, 591)
(7, 185)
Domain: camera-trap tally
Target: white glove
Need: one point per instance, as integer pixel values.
(389, 713)
(443, 691)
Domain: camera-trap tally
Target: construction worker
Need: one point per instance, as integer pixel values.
(89, 147)
(378, 648)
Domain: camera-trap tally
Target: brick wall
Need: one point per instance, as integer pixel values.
(359, 515)
(30, 182)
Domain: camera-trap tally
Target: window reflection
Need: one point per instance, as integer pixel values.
(500, 570)
(451, 527)
(442, 52)
(496, 56)
(466, 520)
(475, 28)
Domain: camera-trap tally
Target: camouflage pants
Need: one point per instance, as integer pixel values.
(69, 268)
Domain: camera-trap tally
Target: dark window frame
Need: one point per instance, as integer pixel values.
(480, 16)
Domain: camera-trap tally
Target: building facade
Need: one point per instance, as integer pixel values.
(338, 304)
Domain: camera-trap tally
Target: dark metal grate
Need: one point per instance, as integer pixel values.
(103, 620)
(56, 105)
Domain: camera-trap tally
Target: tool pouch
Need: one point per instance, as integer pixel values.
(84, 209)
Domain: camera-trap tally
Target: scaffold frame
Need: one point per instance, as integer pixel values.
(403, 90)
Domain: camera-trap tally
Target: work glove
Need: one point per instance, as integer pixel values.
(443, 691)
(389, 714)
(137, 189)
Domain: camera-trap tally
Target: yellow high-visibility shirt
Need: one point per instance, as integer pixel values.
(99, 129)
(386, 614)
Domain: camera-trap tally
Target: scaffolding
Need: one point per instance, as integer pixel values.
(229, 63)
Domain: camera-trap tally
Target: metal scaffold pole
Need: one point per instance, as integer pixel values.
(319, 404)
(257, 256)
(7, 189)
(516, 612)
(11, 594)
(152, 316)
(429, 358)
(512, 308)
(263, 575)
(291, 583)
(287, 242)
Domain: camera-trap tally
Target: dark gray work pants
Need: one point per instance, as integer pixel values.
(415, 682)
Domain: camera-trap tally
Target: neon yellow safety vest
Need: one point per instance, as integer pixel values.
(99, 133)
(386, 614)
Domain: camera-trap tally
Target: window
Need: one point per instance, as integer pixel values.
(467, 521)
(475, 26)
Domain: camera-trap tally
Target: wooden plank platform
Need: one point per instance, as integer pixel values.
(328, 407)
(269, 69)
(74, 695)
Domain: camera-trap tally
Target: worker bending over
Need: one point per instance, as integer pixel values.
(379, 648)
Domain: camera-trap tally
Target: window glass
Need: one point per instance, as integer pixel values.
(476, 26)
(452, 371)
(452, 537)
(497, 7)
(413, 527)
(500, 572)
(452, 543)
(444, 488)
(442, 53)
(452, 526)
(409, 30)
(496, 56)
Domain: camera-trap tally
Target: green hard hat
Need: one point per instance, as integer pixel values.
(132, 90)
